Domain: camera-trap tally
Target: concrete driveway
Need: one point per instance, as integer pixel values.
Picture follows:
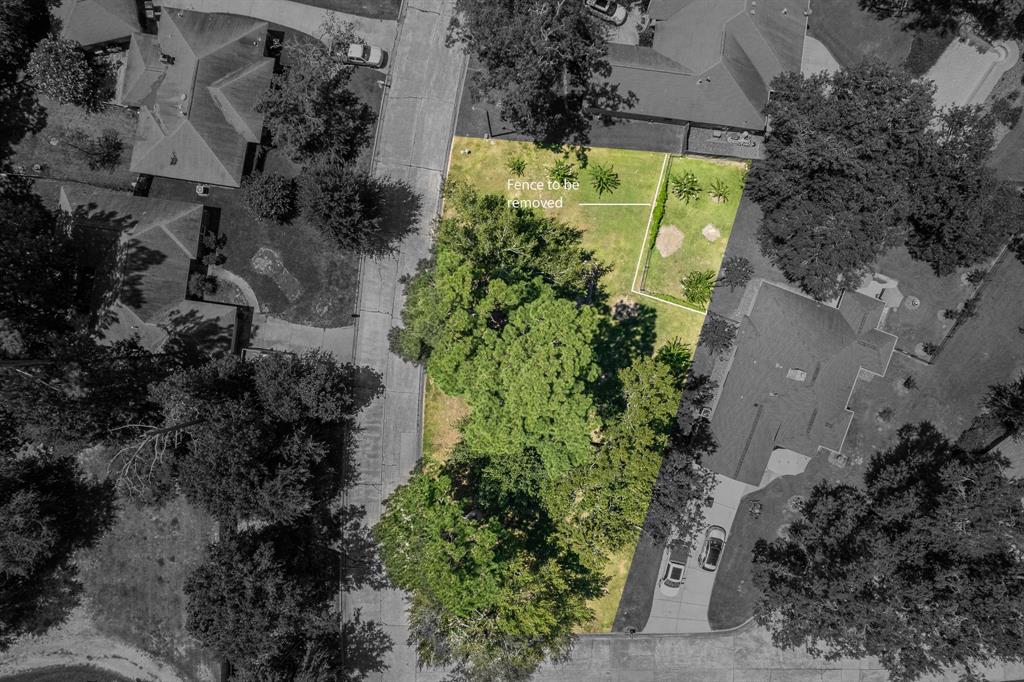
(688, 610)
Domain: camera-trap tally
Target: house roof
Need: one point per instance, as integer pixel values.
(712, 60)
(141, 248)
(794, 369)
(197, 115)
(90, 22)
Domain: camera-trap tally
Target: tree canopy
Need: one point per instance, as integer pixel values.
(920, 567)
(61, 69)
(309, 109)
(48, 511)
(543, 64)
(859, 161)
(994, 19)
(502, 544)
(248, 440)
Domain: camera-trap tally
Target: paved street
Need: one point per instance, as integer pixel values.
(412, 147)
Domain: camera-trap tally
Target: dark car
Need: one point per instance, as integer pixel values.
(711, 553)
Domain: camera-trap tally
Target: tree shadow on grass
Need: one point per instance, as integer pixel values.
(400, 209)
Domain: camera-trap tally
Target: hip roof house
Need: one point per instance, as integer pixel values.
(196, 84)
(138, 254)
(96, 22)
(711, 61)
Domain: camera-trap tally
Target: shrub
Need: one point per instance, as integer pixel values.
(516, 166)
(719, 191)
(1005, 111)
(686, 187)
(736, 272)
(201, 286)
(698, 285)
(976, 276)
(951, 313)
(717, 334)
(659, 209)
(886, 414)
(212, 249)
(344, 204)
(603, 178)
(60, 69)
(910, 383)
(269, 196)
(929, 348)
(562, 171)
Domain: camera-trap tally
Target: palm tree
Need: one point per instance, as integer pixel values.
(719, 191)
(686, 187)
(603, 178)
(1006, 403)
(698, 285)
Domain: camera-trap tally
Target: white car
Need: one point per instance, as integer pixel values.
(675, 572)
(609, 10)
(365, 55)
(711, 553)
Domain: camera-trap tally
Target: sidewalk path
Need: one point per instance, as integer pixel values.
(413, 140)
(295, 15)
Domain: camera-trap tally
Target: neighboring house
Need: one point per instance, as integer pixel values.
(98, 24)
(196, 84)
(785, 396)
(135, 258)
(711, 61)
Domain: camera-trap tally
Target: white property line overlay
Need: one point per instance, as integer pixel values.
(643, 245)
(602, 204)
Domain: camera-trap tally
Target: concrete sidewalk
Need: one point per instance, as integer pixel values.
(295, 15)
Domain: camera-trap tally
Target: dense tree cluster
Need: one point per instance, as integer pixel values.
(48, 511)
(502, 545)
(994, 19)
(920, 567)
(859, 161)
(543, 64)
(315, 118)
(62, 70)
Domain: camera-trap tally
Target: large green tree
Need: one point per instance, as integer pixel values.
(344, 204)
(995, 19)
(543, 64)
(246, 440)
(859, 160)
(491, 597)
(920, 567)
(48, 511)
(61, 69)
(309, 109)
(1006, 403)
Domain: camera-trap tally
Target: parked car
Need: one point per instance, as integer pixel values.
(365, 55)
(675, 571)
(608, 10)
(711, 553)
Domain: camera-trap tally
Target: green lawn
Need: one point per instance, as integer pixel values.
(64, 161)
(72, 673)
(697, 252)
(441, 416)
(607, 605)
(614, 233)
(134, 579)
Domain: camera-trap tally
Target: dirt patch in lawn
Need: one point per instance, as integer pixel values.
(268, 262)
(711, 233)
(670, 239)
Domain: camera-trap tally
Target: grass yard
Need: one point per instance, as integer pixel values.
(607, 605)
(318, 284)
(614, 233)
(73, 673)
(134, 580)
(441, 416)
(697, 252)
(64, 161)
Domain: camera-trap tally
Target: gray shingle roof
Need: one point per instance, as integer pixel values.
(763, 407)
(97, 21)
